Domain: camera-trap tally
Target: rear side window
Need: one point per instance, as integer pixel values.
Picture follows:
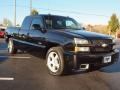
(26, 23)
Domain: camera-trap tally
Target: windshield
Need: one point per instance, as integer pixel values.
(58, 22)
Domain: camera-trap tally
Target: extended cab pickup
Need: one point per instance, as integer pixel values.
(68, 47)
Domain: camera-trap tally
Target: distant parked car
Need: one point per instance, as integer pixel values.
(2, 33)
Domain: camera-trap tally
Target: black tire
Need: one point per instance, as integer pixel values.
(11, 47)
(57, 52)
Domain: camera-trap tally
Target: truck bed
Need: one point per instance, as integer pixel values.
(11, 30)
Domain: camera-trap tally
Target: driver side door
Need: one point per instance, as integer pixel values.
(36, 36)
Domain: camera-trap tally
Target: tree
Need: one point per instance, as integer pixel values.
(90, 27)
(113, 24)
(7, 22)
(34, 12)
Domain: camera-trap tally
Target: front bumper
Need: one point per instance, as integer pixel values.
(75, 60)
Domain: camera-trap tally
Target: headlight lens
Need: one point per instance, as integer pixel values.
(80, 41)
(82, 49)
(114, 40)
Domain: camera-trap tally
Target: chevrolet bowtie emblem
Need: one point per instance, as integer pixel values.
(104, 45)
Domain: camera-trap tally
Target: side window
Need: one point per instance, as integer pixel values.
(37, 22)
(70, 24)
(48, 23)
(59, 24)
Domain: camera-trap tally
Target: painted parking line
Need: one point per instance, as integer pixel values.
(15, 57)
(6, 78)
(3, 51)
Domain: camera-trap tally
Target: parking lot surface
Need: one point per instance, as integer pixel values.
(25, 71)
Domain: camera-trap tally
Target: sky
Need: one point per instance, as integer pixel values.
(84, 11)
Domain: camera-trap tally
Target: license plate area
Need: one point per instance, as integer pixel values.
(107, 59)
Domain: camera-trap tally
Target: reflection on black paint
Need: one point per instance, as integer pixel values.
(3, 58)
(3, 53)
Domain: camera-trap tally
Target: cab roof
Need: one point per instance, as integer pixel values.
(46, 15)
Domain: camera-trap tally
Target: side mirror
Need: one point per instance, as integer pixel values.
(83, 28)
(36, 27)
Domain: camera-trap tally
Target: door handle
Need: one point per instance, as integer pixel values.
(23, 36)
(28, 34)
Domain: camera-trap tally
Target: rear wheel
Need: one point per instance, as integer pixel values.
(55, 61)
(11, 47)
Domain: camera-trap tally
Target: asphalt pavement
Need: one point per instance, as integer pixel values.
(25, 71)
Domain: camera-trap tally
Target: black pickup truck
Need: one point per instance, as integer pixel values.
(67, 45)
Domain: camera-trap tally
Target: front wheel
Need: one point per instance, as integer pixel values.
(11, 47)
(55, 61)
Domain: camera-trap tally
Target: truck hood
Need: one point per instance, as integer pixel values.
(85, 34)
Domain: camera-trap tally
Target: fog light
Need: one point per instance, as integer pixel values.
(82, 49)
(114, 47)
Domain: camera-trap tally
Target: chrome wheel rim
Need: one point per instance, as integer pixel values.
(10, 46)
(53, 62)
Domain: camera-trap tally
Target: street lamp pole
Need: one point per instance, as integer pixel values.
(15, 13)
(30, 6)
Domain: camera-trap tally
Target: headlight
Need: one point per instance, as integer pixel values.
(82, 49)
(114, 40)
(80, 41)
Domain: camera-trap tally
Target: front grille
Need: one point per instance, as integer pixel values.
(97, 46)
(101, 49)
(96, 42)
